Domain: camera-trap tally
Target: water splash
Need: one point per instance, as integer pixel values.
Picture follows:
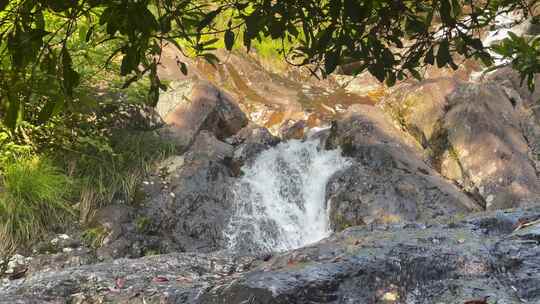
(280, 200)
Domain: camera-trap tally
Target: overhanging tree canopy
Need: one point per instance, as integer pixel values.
(392, 39)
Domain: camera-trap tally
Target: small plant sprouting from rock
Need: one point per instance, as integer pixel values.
(143, 224)
(94, 237)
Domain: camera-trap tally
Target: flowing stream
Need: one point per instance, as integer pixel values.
(280, 200)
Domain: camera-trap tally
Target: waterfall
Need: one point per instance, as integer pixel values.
(280, 200)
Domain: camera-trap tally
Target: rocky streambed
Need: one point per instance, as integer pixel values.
(493, 254)
(430, 195)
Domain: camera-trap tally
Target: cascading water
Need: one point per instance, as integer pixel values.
(280, 200)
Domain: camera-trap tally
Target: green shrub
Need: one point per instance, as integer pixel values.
(34, 199)
(112, 168)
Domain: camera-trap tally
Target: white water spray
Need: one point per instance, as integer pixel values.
(280, 200)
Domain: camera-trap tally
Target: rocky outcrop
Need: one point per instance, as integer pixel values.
(418, 108)
(525, 103)
(176, 278)
(493, 255)
(476, 134)
(450, 263)
(183, 205)
(250, 141)
(190, 108)
(486, 142)
(269, 91)
(388, 180)
(291, 129)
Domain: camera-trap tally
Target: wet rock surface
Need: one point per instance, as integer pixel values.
(454, 261)
(411, 263)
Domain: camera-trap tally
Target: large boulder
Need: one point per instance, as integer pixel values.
(417, 108)
(184, 205)
(192, 107)
(485, 142)
(388, 180)
(493, 255)
(525, 104)
(191, 205)
(482, 136)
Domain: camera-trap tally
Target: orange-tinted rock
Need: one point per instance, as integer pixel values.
(475, 134)
(203, 107)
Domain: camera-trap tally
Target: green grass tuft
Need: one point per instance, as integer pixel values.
(34, 199)
(116, 173)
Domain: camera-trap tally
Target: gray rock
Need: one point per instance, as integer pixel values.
(185, 207)
(175, 278)
(207, 146)
(387, 181)
(250, 141)
(482, 136)
(493, 254)
(525, 104)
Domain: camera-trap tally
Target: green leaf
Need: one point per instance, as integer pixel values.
(125, 67)
(513, 36)
(416, 74)
(183, 67)
(130, 62)
(71, 78)
(324, 37)
(165, 23)
(485, 58)
(445, 11)
(83, 29)
(331, 62)
(430, 58)
(247, 41)
(335, 8)
(477, 44)
(209, 42)
(211, 58)
(58, 5)
(229, 39)
(443, 54)
(391, 79)
(415, 25)
(51, 107)
(3, 4)
(207, 20)
(377, 70)
(89, 33)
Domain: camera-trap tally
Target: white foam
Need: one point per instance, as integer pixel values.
(280, 200)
